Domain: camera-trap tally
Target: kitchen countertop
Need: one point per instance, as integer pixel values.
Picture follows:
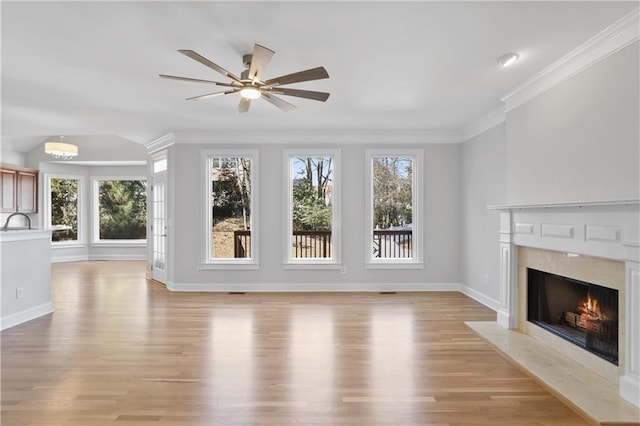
(21, 234)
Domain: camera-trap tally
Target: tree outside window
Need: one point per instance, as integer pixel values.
(392, 207)
(230, 207)
(64, 209)
(122, 207)
(312, 206)
(312, 194)
(392, 192)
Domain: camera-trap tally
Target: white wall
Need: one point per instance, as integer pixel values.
(441, 219)
(580, 140)
(483, 183)
(15, 158)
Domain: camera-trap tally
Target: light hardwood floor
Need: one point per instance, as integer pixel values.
(121, 350)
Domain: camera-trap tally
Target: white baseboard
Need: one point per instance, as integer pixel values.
(487, 301)
(84, 257)
(117, 257)
(77, 258)
(26, 315)
(630, 389)
(315, 287)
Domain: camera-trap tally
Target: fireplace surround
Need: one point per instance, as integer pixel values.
(593, 242)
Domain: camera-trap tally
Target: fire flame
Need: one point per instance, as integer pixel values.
(591, 309)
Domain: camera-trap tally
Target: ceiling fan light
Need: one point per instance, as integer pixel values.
(250, 93)
(508, 59)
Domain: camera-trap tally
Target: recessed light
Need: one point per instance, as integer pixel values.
(508, 59)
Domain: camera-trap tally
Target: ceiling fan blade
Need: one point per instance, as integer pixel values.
(280, 103)
(243, 106)
(307, 94)
(213, 95)
(204, 61)
(297, 77)
(259, 60)
(197, 80)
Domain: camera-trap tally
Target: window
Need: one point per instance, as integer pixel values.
(160, 165)
(231, 208)
(313, 208)
(120, 210)
(63, 209)
(394, 214)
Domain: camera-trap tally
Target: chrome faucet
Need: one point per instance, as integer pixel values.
(6, 224)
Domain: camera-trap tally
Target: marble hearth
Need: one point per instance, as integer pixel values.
(592, 242)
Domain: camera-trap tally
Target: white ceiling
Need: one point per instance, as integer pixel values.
(91, 68)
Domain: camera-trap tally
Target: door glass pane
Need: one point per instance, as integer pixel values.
(159, 226)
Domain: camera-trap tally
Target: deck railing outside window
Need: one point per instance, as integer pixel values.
(393, 244)
(310, 244)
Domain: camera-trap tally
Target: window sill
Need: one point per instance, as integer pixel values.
(394, 265)
(318, 266)
(55, 245)
(239, 266)
(119, 243)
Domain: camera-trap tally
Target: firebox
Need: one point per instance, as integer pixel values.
(583, 313)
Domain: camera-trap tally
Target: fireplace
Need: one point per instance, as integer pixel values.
(596, 245)
(582, 313)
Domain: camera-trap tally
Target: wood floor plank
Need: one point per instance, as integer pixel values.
(122, 350)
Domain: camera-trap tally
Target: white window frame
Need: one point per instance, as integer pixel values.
(415, 262)
(207, 261)
(95, 205)
(335, 261)
(81, 209)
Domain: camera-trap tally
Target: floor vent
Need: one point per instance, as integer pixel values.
(236, 292)
(388, 292)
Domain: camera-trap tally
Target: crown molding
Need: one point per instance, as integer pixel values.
(160, 143)
(304, 137)
(483, 124)
(609, 41)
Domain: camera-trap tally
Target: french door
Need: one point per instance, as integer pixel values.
(159, 227)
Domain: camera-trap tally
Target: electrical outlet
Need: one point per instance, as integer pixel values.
(19, 293)
(343, 270)
(485, 280)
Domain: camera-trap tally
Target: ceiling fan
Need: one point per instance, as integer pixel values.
(251, 85)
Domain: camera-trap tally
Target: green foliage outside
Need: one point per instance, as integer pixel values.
(392, 192)
(231, 190)
(123, 209)
(64, 208)
(312, 207)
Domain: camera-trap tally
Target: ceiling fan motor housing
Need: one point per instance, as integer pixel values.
(246, 60)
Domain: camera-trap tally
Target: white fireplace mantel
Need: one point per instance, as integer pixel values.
(607, 229)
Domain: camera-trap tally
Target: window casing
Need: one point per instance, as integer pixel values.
(63, 209)
(119, 210)
(313, 209)
(395, 210)
(231, 232)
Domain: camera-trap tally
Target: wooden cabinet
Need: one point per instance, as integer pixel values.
(19, 189)
(8, 188)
